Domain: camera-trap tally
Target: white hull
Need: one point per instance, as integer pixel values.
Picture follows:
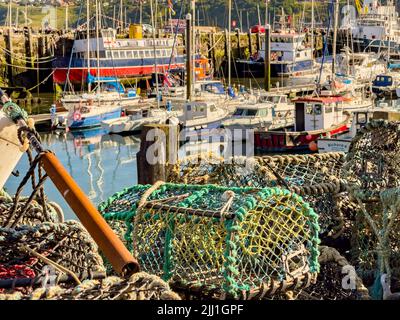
(333, 145)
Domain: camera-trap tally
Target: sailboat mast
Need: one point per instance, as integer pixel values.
(88, 41)
(97, 43)
(312, 34)
(335, 27)
(193, 17)
(153, 22)
(229, 41)
(266, 12)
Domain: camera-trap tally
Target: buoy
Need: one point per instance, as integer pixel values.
(313, 146)
(77, 116)
(308, 137)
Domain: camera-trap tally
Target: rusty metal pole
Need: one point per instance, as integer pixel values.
(120, 258)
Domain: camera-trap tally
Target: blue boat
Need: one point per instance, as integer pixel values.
(92, 116)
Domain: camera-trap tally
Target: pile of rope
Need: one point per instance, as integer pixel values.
(67, 247)
(140, 286)
(230, 242)
(337, 280)
(25, 213)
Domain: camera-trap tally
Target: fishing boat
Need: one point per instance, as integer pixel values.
(314, 117)
(376, 27)
(271, 111)
(199, 115)
(342, 142)
(386, 84)
(122, 58)
(134, 122)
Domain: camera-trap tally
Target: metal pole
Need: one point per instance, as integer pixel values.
(188, 57)
(267, 66)
(88, 42)
(229, 41)
(335, 27)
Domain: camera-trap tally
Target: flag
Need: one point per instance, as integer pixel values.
(171, 7)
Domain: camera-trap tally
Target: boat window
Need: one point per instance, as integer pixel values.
(318, 109)
(251, 112)
(213, 108)
(122, 54)
(283, 99)
(274, 99)
(238, 112)
(361, 118)
(328, 109)
(129, 54)
(158, 53)
(147, 53)
(115, 54)
(262, 112)
(309, 109)
(188, 107)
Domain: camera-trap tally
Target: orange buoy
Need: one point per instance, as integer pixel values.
(313, 146)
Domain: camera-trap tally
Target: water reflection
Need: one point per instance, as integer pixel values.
(101, 164)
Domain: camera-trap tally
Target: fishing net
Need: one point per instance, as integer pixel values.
(373, 173)
(140, 286)
(303, 174)
(316, 177)
(26, 252)
(235, 242)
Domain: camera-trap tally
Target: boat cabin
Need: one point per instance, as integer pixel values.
(273, 98)
(250, 111)
(199, 109)
(383, 80)
(316, 113)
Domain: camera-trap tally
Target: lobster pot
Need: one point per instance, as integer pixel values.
(233, 242)
(9, 148)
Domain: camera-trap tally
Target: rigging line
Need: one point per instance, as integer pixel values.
(72, 50)
(175, 35)
(43, 81)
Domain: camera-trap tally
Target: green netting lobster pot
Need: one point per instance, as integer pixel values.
(238, 242)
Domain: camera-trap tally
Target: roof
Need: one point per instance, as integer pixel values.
(329, 99)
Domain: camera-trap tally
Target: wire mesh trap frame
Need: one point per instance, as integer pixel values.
(372, 170)
(304, 174)
(25, 251)
(316, 177)
(139, 286)
(239, 242)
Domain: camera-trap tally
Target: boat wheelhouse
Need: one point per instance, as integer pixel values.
(115, 57)
(289, 54)
(314, 117)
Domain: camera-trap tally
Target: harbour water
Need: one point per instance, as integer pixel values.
(100, 164)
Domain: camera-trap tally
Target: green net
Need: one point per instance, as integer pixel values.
(316, 177)
(227, 241)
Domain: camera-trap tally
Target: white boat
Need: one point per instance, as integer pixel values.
(91, 114)
(266, 110)
(137, 119)
(360, 66)
(202, 115)
(342, 142)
